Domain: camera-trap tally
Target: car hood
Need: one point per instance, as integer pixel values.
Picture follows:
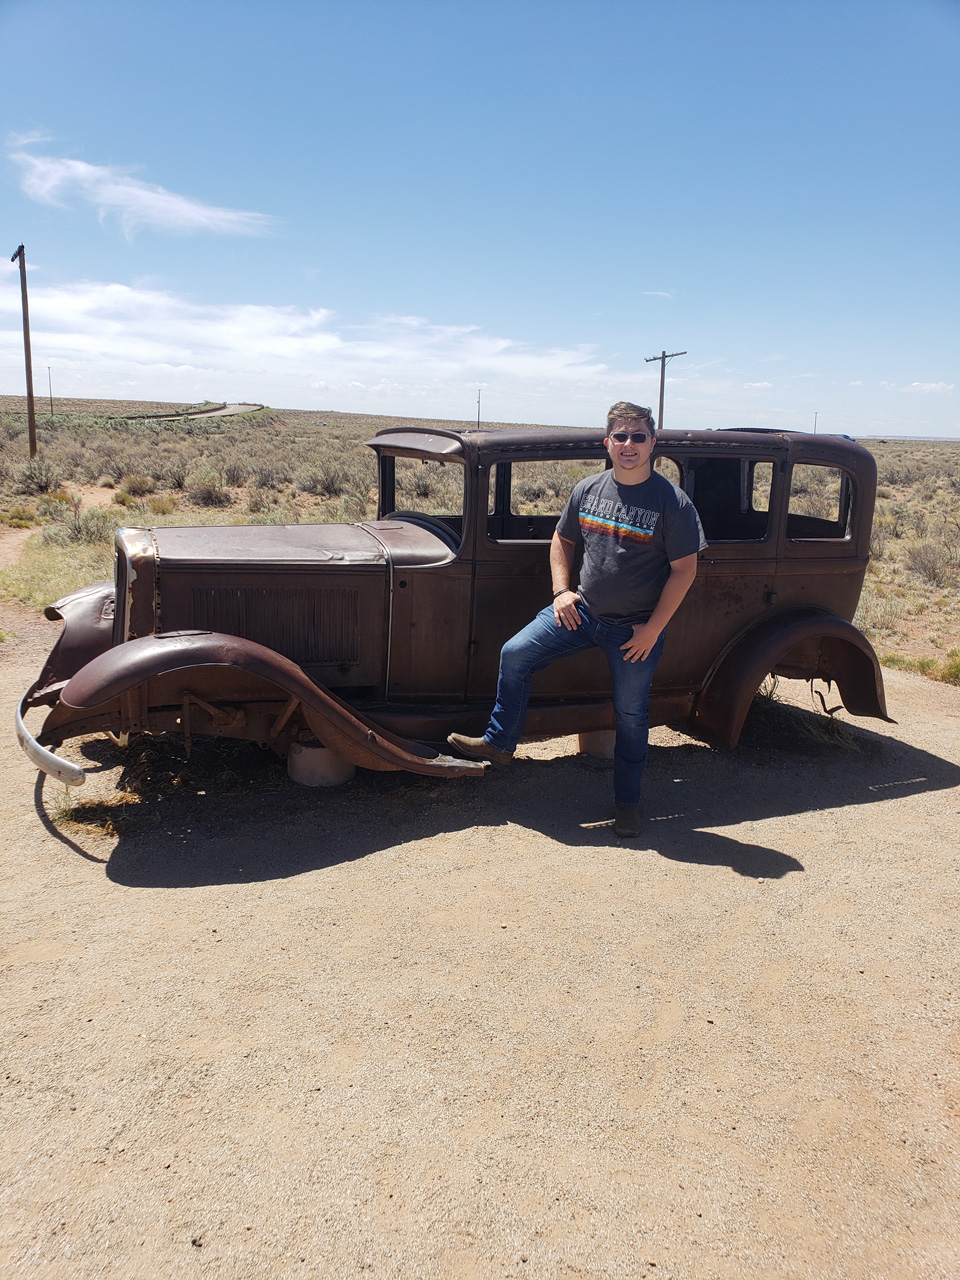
(296, 545)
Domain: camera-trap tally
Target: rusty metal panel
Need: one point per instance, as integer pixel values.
(403, 442)
(128, 672)
(431, 616)
(268, 547)
(725, 597)
(332, 622)
(832, 582)
(308, 626)
(136, 601)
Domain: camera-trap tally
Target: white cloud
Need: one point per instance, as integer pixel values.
(140, 341)
(656, 293)
(30, 139)
(51, 180)
(748, 385)
(106, 339)
(929, 388)
(858, 383)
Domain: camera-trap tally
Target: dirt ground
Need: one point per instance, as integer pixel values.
(417, 1029)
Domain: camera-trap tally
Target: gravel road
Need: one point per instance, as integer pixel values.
(418, 1029)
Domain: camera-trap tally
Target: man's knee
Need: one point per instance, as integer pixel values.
(630, 718)
(517, 656)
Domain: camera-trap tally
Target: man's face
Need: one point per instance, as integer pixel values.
(630, 443)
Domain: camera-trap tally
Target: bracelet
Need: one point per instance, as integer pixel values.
(561, 591)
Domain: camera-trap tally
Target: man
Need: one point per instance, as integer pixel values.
(640, 537)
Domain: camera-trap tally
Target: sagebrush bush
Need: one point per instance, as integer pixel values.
(73, 524)
(210, 495)
(235, 473)
(932, 562)
(326, 480)
(138, 485)
(175, 471)
(39, 475)
(18, 517)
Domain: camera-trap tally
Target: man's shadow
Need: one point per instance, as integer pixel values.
(229, 813)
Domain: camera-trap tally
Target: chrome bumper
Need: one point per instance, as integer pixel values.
(71, 775)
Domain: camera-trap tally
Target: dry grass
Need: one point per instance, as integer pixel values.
(910, 606)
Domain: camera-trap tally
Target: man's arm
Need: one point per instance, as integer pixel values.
(646, 634)
(562, 552)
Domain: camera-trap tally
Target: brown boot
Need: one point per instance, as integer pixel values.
(628, 820)
(478, 749)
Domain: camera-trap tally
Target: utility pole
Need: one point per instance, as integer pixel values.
(478, 408)
(815, 417)
(28, 360)
(663, 358)
(50, 385)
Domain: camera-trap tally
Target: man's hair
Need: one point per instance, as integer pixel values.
(623, 409)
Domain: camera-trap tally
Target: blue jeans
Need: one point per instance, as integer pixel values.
(539, 644)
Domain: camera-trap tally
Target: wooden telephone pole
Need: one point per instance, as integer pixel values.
(663, 358)
(27, 358)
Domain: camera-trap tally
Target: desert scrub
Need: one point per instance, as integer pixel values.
(43, 573)
(138, 485)
(37, 476)
(933, 562)
(947, 671)
(73, 524)
(206, 489)
(435, 488)
(235, 472)
(18, 517)
(258, 503)
(325, 480)
(163, 504)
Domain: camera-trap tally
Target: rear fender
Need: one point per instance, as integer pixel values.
(807, 644)
(338, 726)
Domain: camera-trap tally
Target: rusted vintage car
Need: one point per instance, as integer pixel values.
(377, 639)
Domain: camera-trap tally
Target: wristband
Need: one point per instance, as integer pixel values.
(561, 591)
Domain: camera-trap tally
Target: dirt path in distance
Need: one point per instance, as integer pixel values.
(12, 542)
(424, 1029)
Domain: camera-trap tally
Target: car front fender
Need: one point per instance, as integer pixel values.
(337, 725)
(87, 618)
(809, 644)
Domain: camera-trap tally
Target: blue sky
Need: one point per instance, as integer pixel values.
(382, 206)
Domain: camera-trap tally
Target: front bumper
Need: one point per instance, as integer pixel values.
(71, 775)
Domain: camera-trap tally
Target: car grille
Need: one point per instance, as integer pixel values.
(307, 626)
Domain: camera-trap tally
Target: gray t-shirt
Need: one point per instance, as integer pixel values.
(629, 534)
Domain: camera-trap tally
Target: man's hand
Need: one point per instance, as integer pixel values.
(645, 636)
(565, 610)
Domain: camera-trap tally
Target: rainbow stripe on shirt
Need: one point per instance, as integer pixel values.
(611, 528)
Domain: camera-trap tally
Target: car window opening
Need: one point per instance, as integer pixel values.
(426, 488)
(732, 496)
(821, 503)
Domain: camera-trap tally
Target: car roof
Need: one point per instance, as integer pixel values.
(486, 443)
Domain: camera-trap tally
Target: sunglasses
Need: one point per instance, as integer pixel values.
(622, 437)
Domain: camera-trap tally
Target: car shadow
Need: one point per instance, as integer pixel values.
(229, 814)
